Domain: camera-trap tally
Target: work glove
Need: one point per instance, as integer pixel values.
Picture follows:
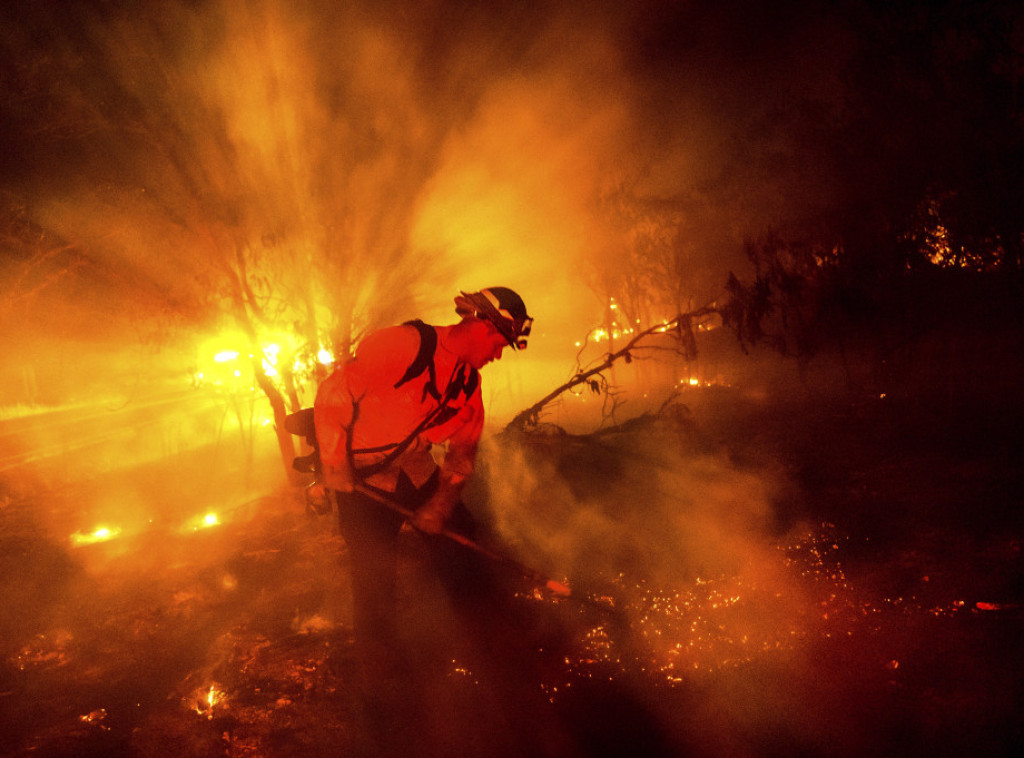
(429, 520)
(431, 517)
(338, 478)
(318, 500)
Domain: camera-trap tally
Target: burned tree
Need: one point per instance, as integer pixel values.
(680, 330)
(242, 196)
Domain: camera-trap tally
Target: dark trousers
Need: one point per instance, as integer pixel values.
(371, 531)
(401, 677)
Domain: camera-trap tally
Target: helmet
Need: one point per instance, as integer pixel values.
(503, 308)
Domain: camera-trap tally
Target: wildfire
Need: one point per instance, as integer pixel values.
(669, 635)
(205, 521)
(95, 717)
(102, 534)
(206, 699)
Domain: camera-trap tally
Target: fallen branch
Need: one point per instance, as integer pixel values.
(682, 325)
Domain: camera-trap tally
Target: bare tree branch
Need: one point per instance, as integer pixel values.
(682, 325)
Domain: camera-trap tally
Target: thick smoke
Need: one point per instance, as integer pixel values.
(391, 154)
(372, 159)
(398, 152)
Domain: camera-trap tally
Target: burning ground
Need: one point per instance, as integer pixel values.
(740, 588)
(204, 203)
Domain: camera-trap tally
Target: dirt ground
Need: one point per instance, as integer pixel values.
(870, 602)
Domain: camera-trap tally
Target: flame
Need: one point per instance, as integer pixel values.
(207, 699)
(95, 717)
(669, 634)
(102, 534)
(206, 521)
(271, 353)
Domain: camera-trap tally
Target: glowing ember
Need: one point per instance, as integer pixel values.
(462, 671)
(95, 717)
(667, 635)
(201, 522)
(206, 699)
(43, 651)
(103, 534)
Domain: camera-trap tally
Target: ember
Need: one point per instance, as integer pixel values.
(672, 636)
(205, 700)
(103, 534)
(780, 470)
(95, 717)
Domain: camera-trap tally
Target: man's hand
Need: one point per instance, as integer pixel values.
(338, 478)
(318, 499)
(429, 519)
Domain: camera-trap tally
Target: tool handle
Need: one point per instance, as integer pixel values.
(548, 583)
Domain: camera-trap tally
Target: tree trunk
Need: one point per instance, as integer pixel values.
(284, 439)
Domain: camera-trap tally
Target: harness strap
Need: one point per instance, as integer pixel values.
(424, 360)
(464, 381)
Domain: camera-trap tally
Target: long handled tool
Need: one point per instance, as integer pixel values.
(541, 580)
(301, 423)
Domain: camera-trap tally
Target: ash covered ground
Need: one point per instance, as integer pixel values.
(751, 578)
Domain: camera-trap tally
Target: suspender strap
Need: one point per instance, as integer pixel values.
(424, 360)
(465, 381)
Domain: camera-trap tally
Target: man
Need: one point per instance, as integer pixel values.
(377, 417)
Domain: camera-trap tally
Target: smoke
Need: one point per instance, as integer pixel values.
(364, 161)
(473, 144)
(652, 502)
(698, 582)
(382, 156)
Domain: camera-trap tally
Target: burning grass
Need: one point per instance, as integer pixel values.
(813, 636)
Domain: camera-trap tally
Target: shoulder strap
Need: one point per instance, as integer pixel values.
(472, 381)
(466, 383)
(424, 359)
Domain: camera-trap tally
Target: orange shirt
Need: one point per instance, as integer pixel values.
(364, 388)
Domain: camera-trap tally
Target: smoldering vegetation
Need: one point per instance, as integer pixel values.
(811, 556)
(752, 575)
(795, 577)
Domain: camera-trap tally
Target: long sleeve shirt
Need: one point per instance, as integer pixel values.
(359, 408)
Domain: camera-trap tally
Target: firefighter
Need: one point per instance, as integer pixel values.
(409, 388)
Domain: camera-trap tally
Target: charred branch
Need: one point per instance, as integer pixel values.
(680, 328)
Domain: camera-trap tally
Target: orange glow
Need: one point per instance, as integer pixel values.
(206, 699)
(102, 534)
(206, 521)
(726, 622)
